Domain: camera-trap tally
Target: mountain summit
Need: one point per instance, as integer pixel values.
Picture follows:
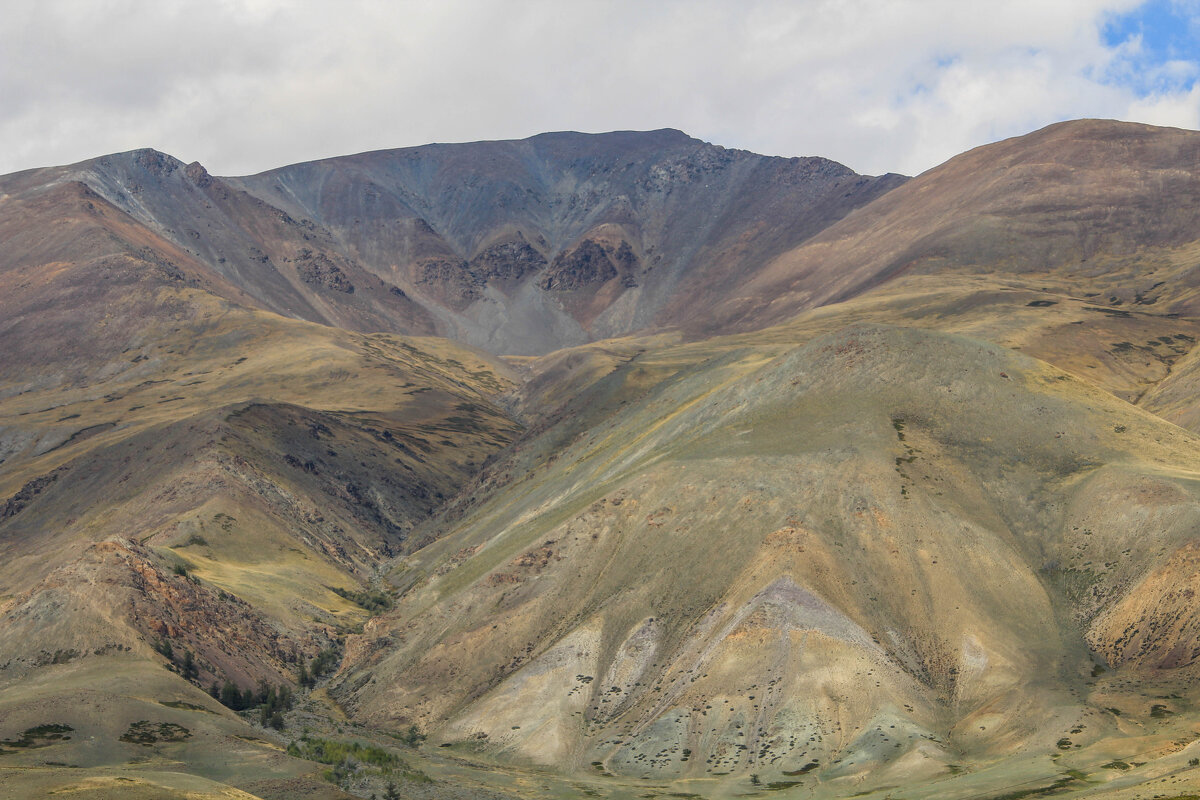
(520, 246)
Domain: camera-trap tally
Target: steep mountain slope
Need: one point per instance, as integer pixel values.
(518, 247)
(865, 559)
(1093, 209)
(182, 215)
(192, 483)
(526, 246)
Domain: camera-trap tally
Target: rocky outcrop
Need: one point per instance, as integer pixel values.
(507, 261)
(317, 269)
(450, 280)
(591, 264)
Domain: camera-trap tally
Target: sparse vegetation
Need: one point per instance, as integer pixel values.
(352, 759)
(1054, 788)
(372, 600)
(323, 663)
(184, 705)
(412, 737)
(38, 736)
(147, 733)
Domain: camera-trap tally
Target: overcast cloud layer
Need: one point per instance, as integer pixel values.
(880, 85)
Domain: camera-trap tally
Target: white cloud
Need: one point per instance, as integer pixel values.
(243, 86)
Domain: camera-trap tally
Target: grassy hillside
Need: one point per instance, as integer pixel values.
(884, 554)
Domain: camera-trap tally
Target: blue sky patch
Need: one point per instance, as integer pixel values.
(1159, 43)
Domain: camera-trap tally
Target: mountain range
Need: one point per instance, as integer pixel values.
(619, 465)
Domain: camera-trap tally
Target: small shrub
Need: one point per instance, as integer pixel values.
(413, 736)
(188, 668)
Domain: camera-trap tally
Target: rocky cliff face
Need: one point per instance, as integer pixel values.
(560, 239)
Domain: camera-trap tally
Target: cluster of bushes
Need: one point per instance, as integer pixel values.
(147, 733)
(322, 664)
(354, 759)
(271, 701)
(374, 601)
(277, 701)
(330, 751)
(40, 736)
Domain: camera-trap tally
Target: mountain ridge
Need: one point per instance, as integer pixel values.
(518, 246)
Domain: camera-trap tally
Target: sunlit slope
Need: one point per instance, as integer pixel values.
(1139, 354)
(1097, 210)
(768, 562)
(1144, 355)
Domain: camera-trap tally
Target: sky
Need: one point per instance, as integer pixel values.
(879, 85)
